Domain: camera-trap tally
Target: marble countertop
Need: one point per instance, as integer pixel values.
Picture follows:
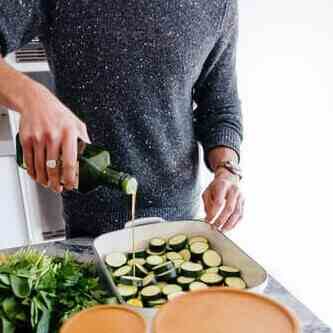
(82, 249)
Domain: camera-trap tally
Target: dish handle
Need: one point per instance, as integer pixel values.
(144, 221)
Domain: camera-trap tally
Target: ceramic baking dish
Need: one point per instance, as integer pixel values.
(147, 228)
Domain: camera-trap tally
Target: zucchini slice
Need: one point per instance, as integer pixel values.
(211, 259)
(191, 269)
(227, 271)
(111, 300)
(186, 254)
(167, 276)
(124, 270)
(157, 303)
(135, 302)
(151, 293)
(172, 296)
(116, 259)
(157, 244)
(140, 271)
(177, 242)
(173, 256)
(235, 282)
(154, 260)
(198, 249)
(196, 239)
(185, 282)
(171, 289)
(127, 292)
(211, 279)
(152, 253)
(134, 261)
(161, 285)
(196, 285)
(148, 280)
(178, 263)
(166, 266)
(212, 270)
(131, 280)
(137, 254)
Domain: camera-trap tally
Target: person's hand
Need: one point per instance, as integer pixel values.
(50, 131)
(223, 201)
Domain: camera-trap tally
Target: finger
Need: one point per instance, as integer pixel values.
(215, 203)
(83, 132)
(69, 156)
(229, 207)
(236, 217)
(40, 162)
(28, 157)
(53, 153)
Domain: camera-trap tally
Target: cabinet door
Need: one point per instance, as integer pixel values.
(14, 228)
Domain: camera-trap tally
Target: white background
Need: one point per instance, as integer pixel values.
(286, 86)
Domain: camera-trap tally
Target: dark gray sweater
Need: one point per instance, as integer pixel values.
(132, 69)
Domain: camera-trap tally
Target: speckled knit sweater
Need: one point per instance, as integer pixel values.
(133, 70)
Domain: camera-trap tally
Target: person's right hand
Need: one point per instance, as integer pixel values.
(50, 131)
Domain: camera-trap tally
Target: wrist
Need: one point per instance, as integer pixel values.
(228, 168)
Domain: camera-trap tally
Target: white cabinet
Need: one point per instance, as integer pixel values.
(13, 223)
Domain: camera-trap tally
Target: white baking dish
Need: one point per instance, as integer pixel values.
(147, 228)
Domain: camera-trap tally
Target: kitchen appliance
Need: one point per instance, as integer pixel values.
(42, 208)
(146, 228)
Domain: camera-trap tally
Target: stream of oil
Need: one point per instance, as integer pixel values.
(133, 230)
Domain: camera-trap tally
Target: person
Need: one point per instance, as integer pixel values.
(149, 81)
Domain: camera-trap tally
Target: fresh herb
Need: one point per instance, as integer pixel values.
(38, 292)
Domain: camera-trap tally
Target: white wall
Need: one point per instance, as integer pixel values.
(286, 84)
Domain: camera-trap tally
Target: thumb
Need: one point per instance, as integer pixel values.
(83, 133)
(215, 204)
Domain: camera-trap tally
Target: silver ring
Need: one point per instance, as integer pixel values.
(52, 164)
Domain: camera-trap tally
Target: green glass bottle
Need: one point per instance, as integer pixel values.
(94, 170)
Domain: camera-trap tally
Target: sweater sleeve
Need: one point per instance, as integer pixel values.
(20, 22)
(217, 118)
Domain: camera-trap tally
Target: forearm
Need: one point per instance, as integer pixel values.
(15, 88)
(219, 154)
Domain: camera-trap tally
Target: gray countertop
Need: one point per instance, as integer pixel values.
(82, 249)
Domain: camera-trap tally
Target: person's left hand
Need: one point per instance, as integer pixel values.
(223, 201)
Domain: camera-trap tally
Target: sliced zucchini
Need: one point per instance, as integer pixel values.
(154, 260)
(173, 256)
(157, 244)
(135, 261)
(185, 282)
(177, 242)
(196, 285)
(196, 239)
(211, 259)
(186, 254)
(171, 289)
(212, 270)
(131, 280)
(198, 249)
(235, 282)
(127, 292)
(227, 271)
(168, 276)
(161, 285)
(157, 303)
(178, 263)
(140, 271)
(137, 254)
(124, 270)
(135, 302)
(151, 293)
(116, 259)
(166, 266)
(211, 279)
(148, 280)
(152, 253)
(191, 269)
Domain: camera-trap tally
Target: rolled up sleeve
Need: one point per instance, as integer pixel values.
(20, 22)
(218, 118)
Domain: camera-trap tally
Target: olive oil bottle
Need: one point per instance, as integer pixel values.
(95, 169)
